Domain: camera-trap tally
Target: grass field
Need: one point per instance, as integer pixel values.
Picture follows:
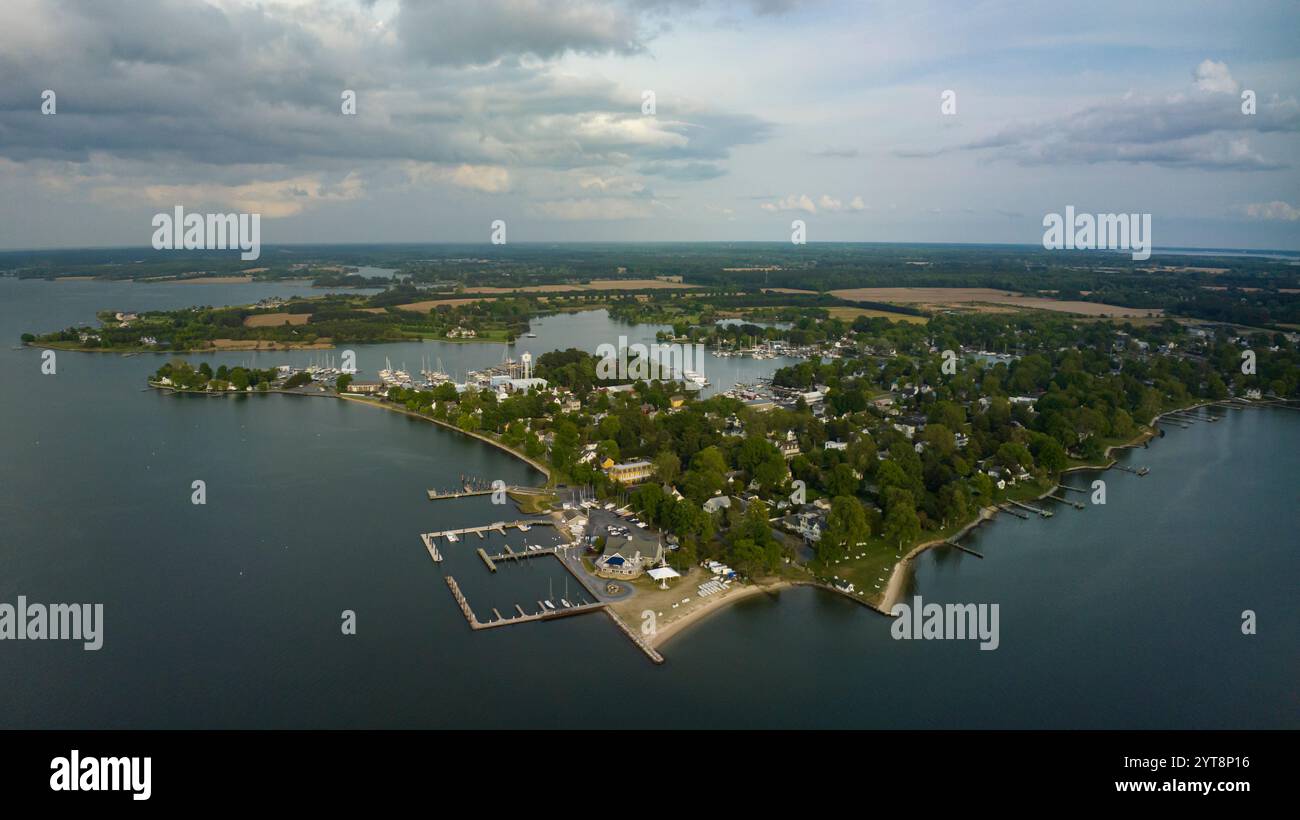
(969, 297)
(276, 319)
(848, 314)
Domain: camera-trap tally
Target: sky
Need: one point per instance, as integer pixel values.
(535, 112)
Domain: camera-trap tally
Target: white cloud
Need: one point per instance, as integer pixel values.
(1215, 78)
(491, 179)
(803, 202)
(270, 198)
(1276, 210)
(793, 202)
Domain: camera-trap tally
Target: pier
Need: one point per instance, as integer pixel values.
(1009, 510)
(1041, 512)
(954, 544)
(432, 548)
(468, 491)
(1065, 500)
(522, 617)
(1140, 471)
(635, 638)
(511, 555)
(499, 527)
(543, 613)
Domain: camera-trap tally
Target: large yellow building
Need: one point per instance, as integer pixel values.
(631, 472)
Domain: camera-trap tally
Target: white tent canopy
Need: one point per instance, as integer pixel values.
(663, 573)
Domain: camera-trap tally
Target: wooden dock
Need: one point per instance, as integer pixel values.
(1041, 512)
(522, 617)
(1065, 500)
(1009, 510)
(953, 543)
(542, 614)
(1140, 471)
(499, 527)
(432, 548)
(649, 650)
(436, 495)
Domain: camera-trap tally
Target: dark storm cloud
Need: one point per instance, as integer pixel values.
(170, 81)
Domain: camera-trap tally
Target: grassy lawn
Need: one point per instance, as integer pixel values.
(532, 504)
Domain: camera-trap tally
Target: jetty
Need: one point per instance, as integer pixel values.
(1139, 471)
(432, 548)
(634, 637)
(950, 542)
(472, 490)
(1009, 510)
(499, 527)
(545, 609)
(511, 555)
(1041, 512)
(1062, 499)
(522, 618)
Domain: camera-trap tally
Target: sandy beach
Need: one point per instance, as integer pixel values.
(700, 608)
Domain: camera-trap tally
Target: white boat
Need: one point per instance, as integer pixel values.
(451, 536)
(696, 378)
(530, 335)
(548, 604)
(525, 527)
(566, 603)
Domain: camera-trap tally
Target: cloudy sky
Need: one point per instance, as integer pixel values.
(765, 111)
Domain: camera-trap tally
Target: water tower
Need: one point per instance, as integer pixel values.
(527, 361)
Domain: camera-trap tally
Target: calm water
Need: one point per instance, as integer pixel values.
(228, 614)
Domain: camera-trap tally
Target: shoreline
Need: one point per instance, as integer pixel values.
(902, 569)
(543, 469)
(676, 627)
